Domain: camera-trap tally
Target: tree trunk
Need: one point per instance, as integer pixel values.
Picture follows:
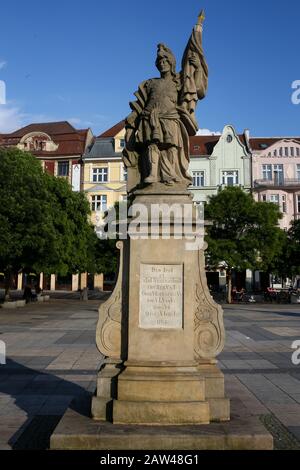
(229, 287)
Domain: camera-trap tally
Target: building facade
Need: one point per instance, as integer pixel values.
(104, 175)
(218, 161)
(276, 175)
(269, 167)
(58, 145)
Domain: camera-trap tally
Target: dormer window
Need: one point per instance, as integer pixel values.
(263, 146)
(196, 147)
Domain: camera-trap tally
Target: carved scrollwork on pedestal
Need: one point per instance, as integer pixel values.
(108, 333)
(209, 334)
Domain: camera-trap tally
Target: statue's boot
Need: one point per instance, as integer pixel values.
(154, 158)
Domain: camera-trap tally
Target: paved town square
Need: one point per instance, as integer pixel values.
(52, 360)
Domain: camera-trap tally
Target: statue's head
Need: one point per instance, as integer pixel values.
(164, 57)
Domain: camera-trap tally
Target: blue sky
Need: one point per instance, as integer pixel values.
(82, 60)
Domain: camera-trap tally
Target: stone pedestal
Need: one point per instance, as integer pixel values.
(160, 329)
(160, 387)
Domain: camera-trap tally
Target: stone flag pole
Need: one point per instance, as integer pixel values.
(161, 331)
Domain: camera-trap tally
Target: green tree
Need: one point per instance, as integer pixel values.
(242, 233)
(291, 255)
(107, 254)
(44, 224)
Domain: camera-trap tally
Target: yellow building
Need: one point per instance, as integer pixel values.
(104, 174)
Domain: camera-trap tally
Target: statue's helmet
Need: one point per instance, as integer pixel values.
(164, 52)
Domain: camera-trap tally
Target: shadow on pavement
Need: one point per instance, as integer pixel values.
(44, 398)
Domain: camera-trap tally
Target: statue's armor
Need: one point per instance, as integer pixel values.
(162, 95)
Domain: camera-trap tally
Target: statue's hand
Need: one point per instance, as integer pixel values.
(195, 60)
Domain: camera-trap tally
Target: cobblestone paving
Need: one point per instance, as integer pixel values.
(52, 359)
(258, 368)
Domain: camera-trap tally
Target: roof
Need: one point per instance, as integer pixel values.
(113, 131)
(102, 147)
(205, 144)
(70, 140)
(52, 128)
(262, 143)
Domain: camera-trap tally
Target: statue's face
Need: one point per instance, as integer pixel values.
(163, 65)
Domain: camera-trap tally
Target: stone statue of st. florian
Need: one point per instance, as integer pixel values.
(163, 117)
(160, 330)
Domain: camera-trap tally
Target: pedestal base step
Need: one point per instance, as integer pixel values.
(160, 413)
(77, 432)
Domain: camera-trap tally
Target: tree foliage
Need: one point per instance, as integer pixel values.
(44, 224)
(290, 260)
(242, 233)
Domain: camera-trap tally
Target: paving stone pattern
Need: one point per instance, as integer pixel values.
(52, 363)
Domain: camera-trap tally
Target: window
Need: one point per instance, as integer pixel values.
(280, 152)
(196, 147)
(278, 174)
(267, 172)
(275, 153)
(63, 169)
(99, 203)
(229, 138)
(198, 179)
(230, 178)
(298, 172)
(100, 175)
(263, 146)
(122, 143)
(298, 151)
(264, 197)
(292, 152)
(286, 151)
(274, 198)
(283, 201)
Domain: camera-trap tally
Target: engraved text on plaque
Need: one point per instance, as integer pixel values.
(161, 292)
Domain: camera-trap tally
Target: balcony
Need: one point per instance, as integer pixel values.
(278, 183)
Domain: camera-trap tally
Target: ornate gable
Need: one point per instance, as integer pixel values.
(37, 142)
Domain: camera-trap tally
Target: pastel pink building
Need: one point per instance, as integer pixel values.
(276, 174)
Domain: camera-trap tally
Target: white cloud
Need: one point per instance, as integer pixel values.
(75, 121)
(3, 64)
(11, 118)
(207, 132)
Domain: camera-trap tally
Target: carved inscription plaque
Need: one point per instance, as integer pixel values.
(161, 296)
